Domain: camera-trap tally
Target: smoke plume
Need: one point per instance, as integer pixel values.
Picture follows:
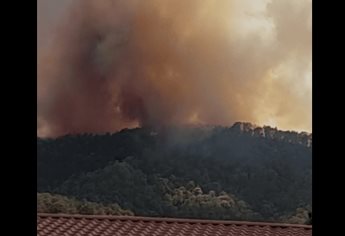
(111, 64)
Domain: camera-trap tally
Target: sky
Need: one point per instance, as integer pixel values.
(104, 65)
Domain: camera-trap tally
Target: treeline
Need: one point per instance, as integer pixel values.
(52, 203)
(211, 173)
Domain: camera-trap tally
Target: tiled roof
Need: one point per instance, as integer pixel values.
(82, 225)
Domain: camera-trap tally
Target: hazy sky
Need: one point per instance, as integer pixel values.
(108, 64)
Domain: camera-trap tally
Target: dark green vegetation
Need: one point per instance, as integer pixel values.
(237, 173)
(48, 203)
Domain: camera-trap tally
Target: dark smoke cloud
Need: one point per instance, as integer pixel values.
(113, 64)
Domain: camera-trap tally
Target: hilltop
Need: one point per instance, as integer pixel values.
(242, 172)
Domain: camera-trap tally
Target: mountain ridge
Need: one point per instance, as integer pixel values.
(246, 128)
(202, 172)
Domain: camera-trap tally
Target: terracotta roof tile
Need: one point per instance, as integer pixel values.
(82, 225)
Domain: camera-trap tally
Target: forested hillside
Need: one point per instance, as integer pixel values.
(241, 172)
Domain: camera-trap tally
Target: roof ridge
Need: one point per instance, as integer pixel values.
(173, 220)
